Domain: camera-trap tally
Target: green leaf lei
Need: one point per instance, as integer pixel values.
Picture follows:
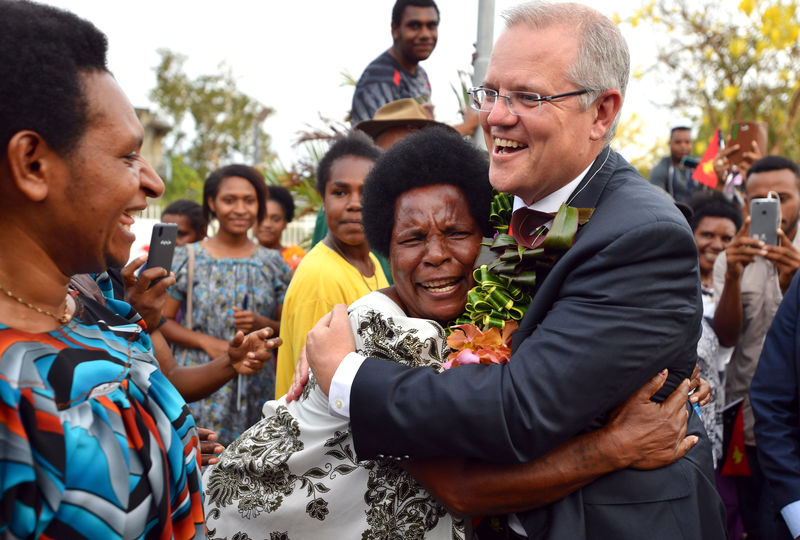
(502, 290)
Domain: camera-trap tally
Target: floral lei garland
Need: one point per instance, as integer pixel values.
(502, 291)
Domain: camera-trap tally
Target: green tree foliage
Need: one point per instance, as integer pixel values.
(727, 63)
(213, 122)
(300, 180)
(184, 182)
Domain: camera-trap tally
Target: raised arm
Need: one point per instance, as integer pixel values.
(245, 355)
(728, 316)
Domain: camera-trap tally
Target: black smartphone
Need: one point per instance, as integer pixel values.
(162, 248)
(765, 218)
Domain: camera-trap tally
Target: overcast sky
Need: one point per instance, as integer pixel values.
(290, 54)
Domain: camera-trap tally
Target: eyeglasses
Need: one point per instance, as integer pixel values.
(518, 103)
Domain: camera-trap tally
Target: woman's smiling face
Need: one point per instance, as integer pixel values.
(712, 235)
(435, 241)
(235, 205)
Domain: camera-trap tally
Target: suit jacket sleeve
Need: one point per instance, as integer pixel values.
(774, 397)
(626, 306)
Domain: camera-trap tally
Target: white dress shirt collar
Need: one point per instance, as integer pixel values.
(551, 203)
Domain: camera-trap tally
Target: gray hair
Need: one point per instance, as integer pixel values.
(603, 61)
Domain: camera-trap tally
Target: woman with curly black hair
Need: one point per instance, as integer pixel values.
(295, 472)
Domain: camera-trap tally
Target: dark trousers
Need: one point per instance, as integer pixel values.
(761, 517)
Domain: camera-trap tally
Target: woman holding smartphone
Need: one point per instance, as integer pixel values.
(227, 283)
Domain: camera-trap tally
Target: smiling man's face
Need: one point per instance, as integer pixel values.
(533, 156)
(417, 34)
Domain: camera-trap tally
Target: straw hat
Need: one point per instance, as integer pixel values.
(404, 112)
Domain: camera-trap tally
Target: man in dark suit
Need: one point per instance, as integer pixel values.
(620, 305)
(775, 394)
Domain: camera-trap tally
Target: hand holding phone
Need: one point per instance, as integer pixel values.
(162, 248)
(743, 134)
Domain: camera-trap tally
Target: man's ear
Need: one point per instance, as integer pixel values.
(32, 163)
(606, 108)
(395, 33)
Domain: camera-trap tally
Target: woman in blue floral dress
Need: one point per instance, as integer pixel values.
(235, 285)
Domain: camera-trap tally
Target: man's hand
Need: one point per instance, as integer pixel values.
(741, 251)
(785, 258)
(147, 301)
(245, 320)
(722, 165)
(749, 157)
(300, 377)
(209, 449)
(247, 353)
(651, 435)
(328, 343)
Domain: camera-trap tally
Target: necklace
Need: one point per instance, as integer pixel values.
(63, 319)
(343, 256)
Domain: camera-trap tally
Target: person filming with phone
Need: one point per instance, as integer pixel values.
(750, 278)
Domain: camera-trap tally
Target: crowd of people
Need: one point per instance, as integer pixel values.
(653, 382)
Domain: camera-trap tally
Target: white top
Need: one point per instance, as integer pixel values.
(295, 472)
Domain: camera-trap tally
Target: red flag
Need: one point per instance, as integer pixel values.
(736, 459)
(704, 173)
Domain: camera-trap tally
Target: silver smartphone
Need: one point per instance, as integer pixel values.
(162, 247)
(765, 218)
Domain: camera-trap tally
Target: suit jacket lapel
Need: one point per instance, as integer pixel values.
(588, 192)
(586, 195)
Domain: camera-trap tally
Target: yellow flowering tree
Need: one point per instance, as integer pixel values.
(727, 62)
(631, 142)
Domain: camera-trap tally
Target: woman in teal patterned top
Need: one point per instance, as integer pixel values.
(236, 285)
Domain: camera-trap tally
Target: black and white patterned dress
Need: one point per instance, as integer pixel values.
(712, 359)
(294, 475)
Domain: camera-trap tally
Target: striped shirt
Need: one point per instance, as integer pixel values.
(384, 81)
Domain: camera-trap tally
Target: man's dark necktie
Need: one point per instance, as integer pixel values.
(525, 223)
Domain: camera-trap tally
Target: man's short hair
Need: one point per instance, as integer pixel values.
(355, 143)
(400, 7)
(713, 204)
(191, 211)
(603, 61)
(43, 53)
(773, 163)
(678, 128)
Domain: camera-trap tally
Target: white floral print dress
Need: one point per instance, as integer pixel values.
(294, 474)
